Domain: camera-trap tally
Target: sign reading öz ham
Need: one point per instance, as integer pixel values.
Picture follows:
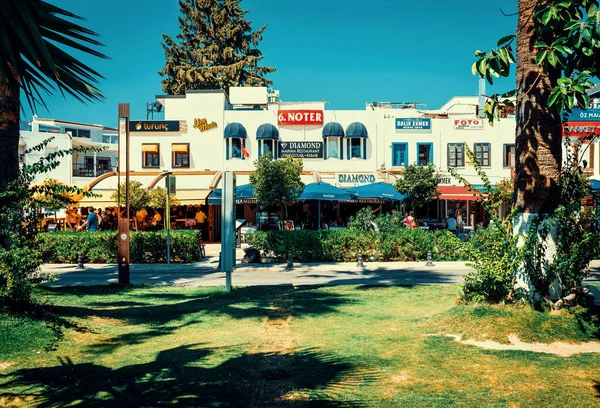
(293, 117)
(468, 124)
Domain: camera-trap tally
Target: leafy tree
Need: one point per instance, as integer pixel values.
(216, 49)
(420, 184)
(557, 46)
(502, 193)
(277, 183)
(21, 205)
(139, 197)
(158, 198)
(57, 199)
(35, 55)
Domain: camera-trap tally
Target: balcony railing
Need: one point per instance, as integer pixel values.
(89, 170)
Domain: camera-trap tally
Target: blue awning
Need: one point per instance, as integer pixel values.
(235, 130)
(333, 129)
(380, 190)
(267, 131)
(324, 191)
(595, 184)
(243, 192)
(356, 129)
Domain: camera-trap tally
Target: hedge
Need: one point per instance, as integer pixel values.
(101, 247)
(404, 244)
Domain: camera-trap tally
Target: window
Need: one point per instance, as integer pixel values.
(509, 155)
(48, 129)
(110, 139)
(234, 147)
(78, 132)
(21, 153)
(267, 146)
(150, 155)
(105, 139)
(355, 147)
(181, 155)
(424, 153)
(456, 155)
(333, 148)
(399, 154)
(482, 154)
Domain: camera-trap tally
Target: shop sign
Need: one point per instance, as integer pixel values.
(154, 126)
(202, 125)
(356, 178)
(413, 124)
(580, 115)
(445, 180)
(468, 124)
(301, 150)
(580, 129)
(294, 117)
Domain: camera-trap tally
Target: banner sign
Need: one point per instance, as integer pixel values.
(468, 124)
(300, 117)
(580, 115)
(580, 129)
(154, 126)
(301, 150)
(356, 178)
(413, 124)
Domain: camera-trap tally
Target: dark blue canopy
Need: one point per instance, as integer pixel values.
(595, 184)
(235, 130)
(267, 131)
(356, 129)
(324, 191)
(333, 129)
(243, 192)
(380, 190)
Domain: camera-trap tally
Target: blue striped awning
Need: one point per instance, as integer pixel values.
(236, 130)
(267, 131)
(356, 129)
(333, 129)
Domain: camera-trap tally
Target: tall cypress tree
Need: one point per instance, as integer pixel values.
(216, 49)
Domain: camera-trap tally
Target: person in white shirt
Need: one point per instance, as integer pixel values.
(451, 223)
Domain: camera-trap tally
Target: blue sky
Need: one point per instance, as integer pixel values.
(346, 52)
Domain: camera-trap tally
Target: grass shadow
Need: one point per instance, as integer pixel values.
(180, 376)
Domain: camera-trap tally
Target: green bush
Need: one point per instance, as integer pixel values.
(403, 244)
(101, 247)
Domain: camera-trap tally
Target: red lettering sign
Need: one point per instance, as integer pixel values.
(300, 117)
(581, 129)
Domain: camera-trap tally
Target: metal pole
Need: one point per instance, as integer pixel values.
(168, 220)
(319, 214)
(123, 224)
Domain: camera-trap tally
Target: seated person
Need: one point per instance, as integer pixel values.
(71, 219)
(451, 223)
(156, 220)
(201, 217)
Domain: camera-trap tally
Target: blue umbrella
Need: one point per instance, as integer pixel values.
(380, 190)
(243, 192)
(323, 191)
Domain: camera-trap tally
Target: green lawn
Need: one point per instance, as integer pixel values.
(283, 347)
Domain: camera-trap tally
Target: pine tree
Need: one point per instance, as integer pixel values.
(216, 49)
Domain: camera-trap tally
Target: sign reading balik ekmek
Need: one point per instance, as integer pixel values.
(154, 126)
(301, 150)
(413, 124)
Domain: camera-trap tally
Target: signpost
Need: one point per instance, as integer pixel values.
(123, 223)
(227, 228)
(301, 150)
(171, 189)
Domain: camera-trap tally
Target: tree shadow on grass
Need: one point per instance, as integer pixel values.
(181, 376)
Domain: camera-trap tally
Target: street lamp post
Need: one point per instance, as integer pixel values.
(123, 224)
(168, 214)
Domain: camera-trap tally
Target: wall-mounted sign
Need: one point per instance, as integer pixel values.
(580, 129)
(154, 126)
(413, 124)
(468, 124)
(580, 115)
(202, 125)
(356, 178)
(300, 117)
(301, 150)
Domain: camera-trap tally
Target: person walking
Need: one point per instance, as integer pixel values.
(91, 223)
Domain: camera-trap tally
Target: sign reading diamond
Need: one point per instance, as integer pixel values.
(301, 150)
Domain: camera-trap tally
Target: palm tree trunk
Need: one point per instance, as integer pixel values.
(538, 144)
(539, 131)
(9, 131)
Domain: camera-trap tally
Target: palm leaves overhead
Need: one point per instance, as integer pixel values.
(33, 37)
(216, 49)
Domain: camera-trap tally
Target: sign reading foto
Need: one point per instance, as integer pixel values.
(154, 126)
(468, 124)
(294, 117)
(413, 124)
(301, 150)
